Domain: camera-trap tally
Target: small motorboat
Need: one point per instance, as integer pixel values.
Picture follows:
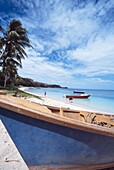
(82, 96)
(82, 92)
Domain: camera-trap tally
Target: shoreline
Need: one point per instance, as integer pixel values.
(45, 100)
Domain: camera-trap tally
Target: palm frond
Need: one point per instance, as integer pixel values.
(1, 29)
(14, 24)
(24, 43)
(1, 63)
(20, 49)
(2, 42)
(13, 35)
(15, 62)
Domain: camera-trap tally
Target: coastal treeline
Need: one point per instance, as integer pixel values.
(12, 50)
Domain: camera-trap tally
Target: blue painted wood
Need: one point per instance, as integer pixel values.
(44, 143)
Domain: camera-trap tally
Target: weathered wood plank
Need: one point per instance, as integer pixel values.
(10, 158)
(61, 111)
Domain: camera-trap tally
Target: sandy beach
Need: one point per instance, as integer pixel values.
(45, 100)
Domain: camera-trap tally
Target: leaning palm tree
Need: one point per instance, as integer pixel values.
(12, 46)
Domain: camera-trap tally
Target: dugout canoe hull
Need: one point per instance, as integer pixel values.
(45, 144)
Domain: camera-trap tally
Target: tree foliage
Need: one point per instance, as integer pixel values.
(12, 45)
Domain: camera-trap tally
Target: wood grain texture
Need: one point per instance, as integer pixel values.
(87, 167)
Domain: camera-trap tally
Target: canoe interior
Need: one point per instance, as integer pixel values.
(104, 120)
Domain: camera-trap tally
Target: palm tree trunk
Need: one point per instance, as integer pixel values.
(5, 80)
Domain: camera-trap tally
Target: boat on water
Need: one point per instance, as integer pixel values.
(58, 138)
(82, 96)
(82, 92)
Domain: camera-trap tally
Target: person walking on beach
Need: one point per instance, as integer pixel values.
(70, 99)
(45, 93)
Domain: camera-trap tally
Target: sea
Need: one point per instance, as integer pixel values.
(100, 100)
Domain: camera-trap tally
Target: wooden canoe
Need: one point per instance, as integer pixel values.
(59, 138)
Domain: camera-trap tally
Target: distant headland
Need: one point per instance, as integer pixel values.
(28, 82)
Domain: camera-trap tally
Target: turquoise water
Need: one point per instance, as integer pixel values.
(102, 100)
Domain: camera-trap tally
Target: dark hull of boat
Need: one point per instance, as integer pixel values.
(82, 92)
(78, 97)
(44, 145)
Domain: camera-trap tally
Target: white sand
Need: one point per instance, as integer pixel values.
(53, 102)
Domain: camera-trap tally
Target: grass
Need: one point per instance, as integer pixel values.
(14, 91)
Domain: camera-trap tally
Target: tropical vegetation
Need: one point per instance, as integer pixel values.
(12, 50)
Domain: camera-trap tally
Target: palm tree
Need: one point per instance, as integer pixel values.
(12, 46)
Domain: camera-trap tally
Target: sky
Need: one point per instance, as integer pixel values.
(73, 40)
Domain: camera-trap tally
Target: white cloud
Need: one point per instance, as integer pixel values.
(71, 27)
(98, 80)
(97, 57)
(44, 71)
